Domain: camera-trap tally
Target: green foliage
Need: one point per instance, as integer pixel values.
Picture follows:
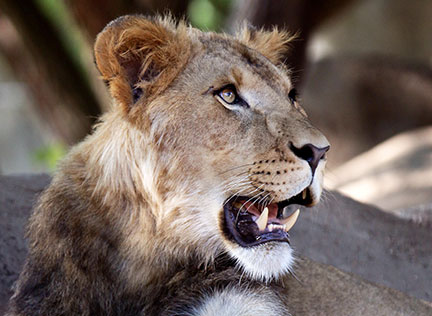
(58, 14)
(208, 14)
(48, 156)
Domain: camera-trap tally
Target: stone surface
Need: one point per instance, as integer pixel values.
(322, 290)
(17, 195)
(351, 236)
(367, 241)
(359, 102)
(394, 175)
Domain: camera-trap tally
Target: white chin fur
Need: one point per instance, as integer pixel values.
(265, 262)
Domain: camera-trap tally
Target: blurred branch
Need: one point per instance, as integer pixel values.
(20, 61)
(56, 64)
(44, 52)
(92, 16)
(371, 98)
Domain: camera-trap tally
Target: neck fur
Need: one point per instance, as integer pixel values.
(123, 175)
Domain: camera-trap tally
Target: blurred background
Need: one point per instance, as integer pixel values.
(363, 68)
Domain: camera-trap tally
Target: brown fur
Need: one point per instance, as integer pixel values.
(133, 48)
(272, 44)
(136, 209)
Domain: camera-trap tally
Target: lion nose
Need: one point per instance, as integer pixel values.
(311, 153)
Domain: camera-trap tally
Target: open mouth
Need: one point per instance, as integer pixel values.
(250, 223)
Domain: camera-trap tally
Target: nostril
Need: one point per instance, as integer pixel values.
(311, 153)
(306, 152)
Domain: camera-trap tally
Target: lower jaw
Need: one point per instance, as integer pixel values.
(231, 223)
(265, 262)
(242, 226)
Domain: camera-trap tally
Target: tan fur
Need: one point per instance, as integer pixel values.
(141, 198)
(272, 44)
(132, 46)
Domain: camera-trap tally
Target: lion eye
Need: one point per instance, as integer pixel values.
(229, 95)
(229, 98)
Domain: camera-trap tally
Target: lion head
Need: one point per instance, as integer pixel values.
(207, 143)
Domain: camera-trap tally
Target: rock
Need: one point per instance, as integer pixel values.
(359, 102)
(352, 236)
(364, 240)
(394, 175)
(17, 195)
(324, 290)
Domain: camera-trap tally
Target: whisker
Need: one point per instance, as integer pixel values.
(234, 168)
(241, 185)
(234, 186)
(263, 199)
(234, 195)
(233, 178)
(270, 201)
(257, 189)
(237, 194)
(241, 174)
(252, 198)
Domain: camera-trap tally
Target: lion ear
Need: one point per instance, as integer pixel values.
(138, 56)
(272, 44)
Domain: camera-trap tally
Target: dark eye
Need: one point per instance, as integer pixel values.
(292, 95)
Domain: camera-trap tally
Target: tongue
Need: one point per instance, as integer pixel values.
(253, 209)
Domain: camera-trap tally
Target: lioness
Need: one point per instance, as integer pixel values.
(177, 203)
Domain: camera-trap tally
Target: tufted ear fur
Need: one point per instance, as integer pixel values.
(139, 57)
(272, 44)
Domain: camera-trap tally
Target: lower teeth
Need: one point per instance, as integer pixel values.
(272, 227)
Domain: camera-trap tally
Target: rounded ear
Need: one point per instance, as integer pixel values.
(139, 56)
(272, 44)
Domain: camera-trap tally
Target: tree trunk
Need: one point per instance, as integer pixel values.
(297, 16)
(73, 106)
(93, 15)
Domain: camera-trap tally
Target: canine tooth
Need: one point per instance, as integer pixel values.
(304, 194)
(262, 220)
(291, 220)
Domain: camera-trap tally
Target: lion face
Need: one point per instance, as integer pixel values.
(246, 141)
(234, 148)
